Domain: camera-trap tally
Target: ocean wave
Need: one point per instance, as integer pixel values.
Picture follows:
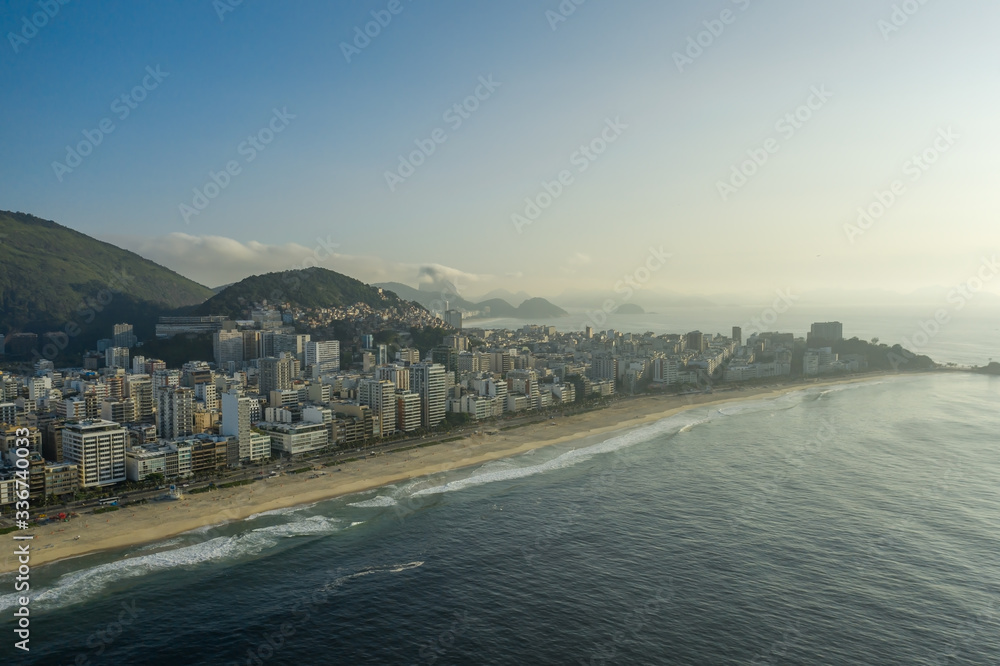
(307, 527)
(512, 471)
(380, 500)
(160, 544)
(369, 571)
(80, 585)
(275, 512)
(689, 426)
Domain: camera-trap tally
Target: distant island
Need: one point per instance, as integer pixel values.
(493, 308)
(630, 309)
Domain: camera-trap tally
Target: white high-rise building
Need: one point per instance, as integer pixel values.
(407, 411)
(397, 374)
(98, 450)
(324, 353)
(276, 374)
(207, 395)
(140, 389)
(428, 380)
(380, 395)
(124, 336)
(175, 412)
(667, 370)
(236, 421)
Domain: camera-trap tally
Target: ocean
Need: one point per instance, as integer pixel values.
(852, 524)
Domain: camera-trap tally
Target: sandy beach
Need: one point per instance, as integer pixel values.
(156, 521)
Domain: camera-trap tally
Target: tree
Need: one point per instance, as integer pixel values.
(155, 479)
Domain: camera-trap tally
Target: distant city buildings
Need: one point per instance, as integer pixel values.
(270, 390)
(453, 318)
(275, 374)
(124, 336)
(831, 331)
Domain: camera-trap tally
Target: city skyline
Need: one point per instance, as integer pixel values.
(744, 179)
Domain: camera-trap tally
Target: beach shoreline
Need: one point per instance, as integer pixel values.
(157, 521)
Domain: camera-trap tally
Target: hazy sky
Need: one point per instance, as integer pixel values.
(673, 129)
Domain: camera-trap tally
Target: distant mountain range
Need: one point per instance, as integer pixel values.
(53, 278)
(531, 308)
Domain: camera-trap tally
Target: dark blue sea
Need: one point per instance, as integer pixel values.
(855, 524)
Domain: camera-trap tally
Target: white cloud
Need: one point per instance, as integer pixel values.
(218, 260)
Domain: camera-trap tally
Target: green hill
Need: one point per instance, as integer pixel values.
(53, 278)
(497, 307)
(630, 309)
(307, 288)
(538, 308)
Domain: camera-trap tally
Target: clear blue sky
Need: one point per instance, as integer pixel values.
(657, 184)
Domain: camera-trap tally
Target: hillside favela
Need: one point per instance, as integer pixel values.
(478, 333)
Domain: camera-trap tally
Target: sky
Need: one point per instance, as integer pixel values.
(730, 147)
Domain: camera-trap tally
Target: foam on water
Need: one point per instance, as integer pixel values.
(79, 585)
(368, 571)
(275, 512)
(511, 471)
(682, 422)
(308, 527)
(160, 544)
(204, 529)
(689, 426)
(380, 500)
